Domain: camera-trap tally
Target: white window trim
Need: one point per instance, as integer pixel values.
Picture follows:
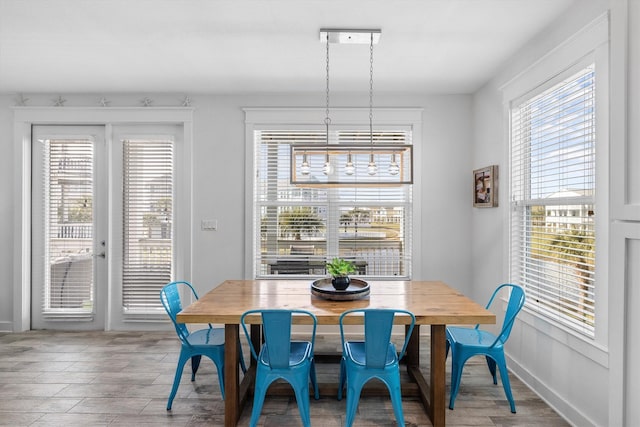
(24, 118)
(590, 41)
(256, 118)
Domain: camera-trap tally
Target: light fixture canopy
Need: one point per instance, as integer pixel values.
(350, 36)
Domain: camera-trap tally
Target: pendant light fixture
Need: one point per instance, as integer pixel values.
(357, 163)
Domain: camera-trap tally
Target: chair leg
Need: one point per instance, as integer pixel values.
(176, 379)
(456, 374)
(353, 398)
(195, 364)
(504, 376)
(220, 370)
(492, 368)
(301, 389)
(314, 381)
(258, 400)
(396, 401)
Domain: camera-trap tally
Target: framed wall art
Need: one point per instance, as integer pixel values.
(485, 187)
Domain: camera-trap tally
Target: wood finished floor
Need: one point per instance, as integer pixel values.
(123, 378)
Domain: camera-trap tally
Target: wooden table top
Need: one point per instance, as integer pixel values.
(432, 302)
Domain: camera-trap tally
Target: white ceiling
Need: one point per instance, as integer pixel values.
(223, 46)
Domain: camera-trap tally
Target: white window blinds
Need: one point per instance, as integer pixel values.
(147, 221)
(68, 290)
(552, 206)
(298, 229)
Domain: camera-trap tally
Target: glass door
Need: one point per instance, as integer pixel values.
(69, 245)
(143, 238)
(102, 225)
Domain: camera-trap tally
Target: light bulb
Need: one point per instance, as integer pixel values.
(349, 168)
(305, 169)
(327, 169)
(394, 169)
(372, 169)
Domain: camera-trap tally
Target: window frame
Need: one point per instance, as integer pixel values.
(309, 118)
(589, 44)
(522, 204)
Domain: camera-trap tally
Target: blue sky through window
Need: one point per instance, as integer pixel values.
(561, 130)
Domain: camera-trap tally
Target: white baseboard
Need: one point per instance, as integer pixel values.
(6, 326)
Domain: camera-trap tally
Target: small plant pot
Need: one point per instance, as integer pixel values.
(341, 283)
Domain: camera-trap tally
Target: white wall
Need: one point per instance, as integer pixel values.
(625, 253)
(218, 177)
(488, 254)
(6, 216)
(588, 383)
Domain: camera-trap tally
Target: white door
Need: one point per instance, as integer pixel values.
(102, 225)
(143, 243)
(68, 259)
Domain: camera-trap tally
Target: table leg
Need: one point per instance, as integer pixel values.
(437, 375)
(412, 356)
(256, 340)
(231, 375)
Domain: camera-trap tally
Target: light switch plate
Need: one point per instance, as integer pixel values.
(209, 224)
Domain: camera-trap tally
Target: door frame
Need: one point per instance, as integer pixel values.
(25, 117)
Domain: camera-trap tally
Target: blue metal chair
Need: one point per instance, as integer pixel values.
(467, 342)
(203, 342)
(375, 357)
(282, 358)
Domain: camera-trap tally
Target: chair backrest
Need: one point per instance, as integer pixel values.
(170, 298)
(514, 305)
(276, 327)
(378, 324)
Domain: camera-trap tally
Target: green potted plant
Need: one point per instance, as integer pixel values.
(339, 270)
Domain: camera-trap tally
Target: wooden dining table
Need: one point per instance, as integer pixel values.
(433, 303)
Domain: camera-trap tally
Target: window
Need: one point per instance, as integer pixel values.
(553, 157)
(297, 229)
(147, 222)
(68, 220)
